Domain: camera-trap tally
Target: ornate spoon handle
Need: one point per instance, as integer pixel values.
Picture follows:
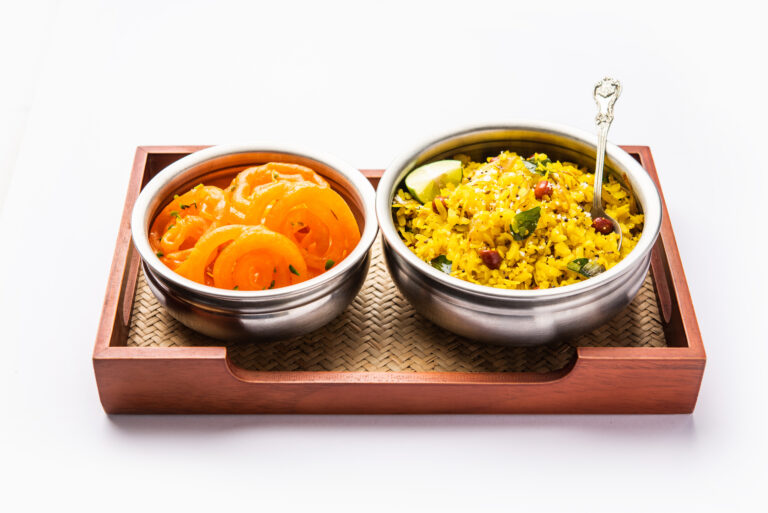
(606, 93)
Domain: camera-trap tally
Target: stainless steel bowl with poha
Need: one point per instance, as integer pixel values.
(514, 222)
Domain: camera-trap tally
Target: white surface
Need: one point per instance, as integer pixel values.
(364, 81)
(24, 37)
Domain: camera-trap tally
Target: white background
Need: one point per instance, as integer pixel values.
(83, 83)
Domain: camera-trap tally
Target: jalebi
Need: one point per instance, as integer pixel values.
(275, 225)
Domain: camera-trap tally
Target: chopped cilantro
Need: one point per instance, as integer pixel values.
(294, 271)
(272, 284)
(329, 264)
(235, 287)
(160, 254)
(175, 213)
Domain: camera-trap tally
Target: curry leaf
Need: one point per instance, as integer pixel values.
(535, 165)
(586, 268)
(530, 166)
(576, 265)
(525, 223)
(591, 269)
(442, 263)
(540, 162)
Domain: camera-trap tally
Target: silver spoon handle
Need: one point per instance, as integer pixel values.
(606, 93)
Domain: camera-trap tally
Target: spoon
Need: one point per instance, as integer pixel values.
(606, 93)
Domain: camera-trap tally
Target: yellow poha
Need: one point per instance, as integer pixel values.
(515, 223)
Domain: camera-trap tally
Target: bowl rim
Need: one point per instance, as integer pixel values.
(140, 221)
(641, 182)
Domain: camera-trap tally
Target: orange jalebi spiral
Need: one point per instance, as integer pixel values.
(246, 181)
(325, 233)
(275, 225)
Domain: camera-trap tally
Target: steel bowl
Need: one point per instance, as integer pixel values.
(518, 317)
(255, 315)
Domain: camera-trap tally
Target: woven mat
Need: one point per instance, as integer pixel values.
(380, 331)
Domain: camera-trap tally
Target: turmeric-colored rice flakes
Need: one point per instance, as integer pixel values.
(516, 223)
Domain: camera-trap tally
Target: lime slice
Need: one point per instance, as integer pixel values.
(425, 182)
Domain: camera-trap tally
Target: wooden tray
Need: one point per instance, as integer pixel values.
(203, 379)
